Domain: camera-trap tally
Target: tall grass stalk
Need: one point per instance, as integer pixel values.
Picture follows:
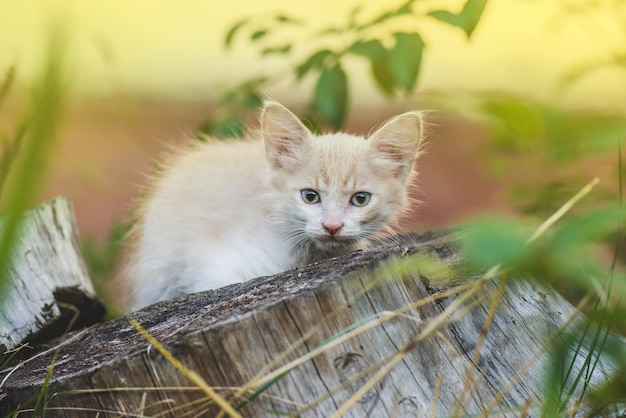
(590, 341)
(35, 138)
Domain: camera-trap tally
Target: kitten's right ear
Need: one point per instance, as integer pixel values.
(398, 142)
(284, 135)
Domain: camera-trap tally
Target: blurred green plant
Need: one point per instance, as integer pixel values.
(572, 253)
(561, 253)
(24, 151)
(542, 151)
(103, 260)
(394, 57)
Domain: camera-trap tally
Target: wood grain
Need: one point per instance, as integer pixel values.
(435, 359)
(48, 284)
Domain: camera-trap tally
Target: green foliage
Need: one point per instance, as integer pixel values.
(22, 163)
(331, 95)
(562, 255)
(10, 145)
(565, 255)
(394, 57)
(545, 152)
(573, 372)
(228, 121)
(102, 261)
(405, 59)
(497, 241)
(26, 150)
(542, 151)
(611, 393)
(467, 19)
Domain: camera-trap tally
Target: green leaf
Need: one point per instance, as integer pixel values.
(496, 241)
(381, 71)
(516, 124)
(230, 35)
(231, 126)
(372, 49)
(331, 96)
(604, 134)
(226, 126)
(287, 19)
(252, 100)
(405, 8)
(406, 59)
(284, 49)
(311, 124)
(258, 34)
(315, 61)
(380, 19)
(379, 61)
(589, 227)
(467, 19)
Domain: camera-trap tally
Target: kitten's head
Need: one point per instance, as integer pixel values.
(339, 188)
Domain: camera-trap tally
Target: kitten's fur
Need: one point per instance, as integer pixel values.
(225, 212)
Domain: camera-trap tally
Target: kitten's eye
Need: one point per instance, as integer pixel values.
(310, 196)
(360, 199)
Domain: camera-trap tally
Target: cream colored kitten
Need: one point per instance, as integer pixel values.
(226, 212)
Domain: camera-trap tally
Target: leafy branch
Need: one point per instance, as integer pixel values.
(394, 57)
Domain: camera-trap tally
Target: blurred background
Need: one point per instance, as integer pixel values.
(529, 95)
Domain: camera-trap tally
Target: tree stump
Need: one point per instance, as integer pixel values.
(355, 336)
(48, 286)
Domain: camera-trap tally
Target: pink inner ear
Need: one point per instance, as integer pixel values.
(392, 152)
(281, 155)
(284, 136)
(397, 141)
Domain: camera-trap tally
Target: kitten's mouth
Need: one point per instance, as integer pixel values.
(332, 242)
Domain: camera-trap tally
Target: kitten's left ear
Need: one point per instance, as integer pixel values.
(284, 135)
(398, 142)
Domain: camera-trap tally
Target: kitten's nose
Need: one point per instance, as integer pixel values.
(332, 229)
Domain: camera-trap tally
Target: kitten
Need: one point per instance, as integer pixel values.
(225, 212)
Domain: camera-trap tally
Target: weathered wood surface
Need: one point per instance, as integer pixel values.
(47, 280)
(231, 336)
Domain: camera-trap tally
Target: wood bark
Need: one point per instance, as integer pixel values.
(419, 347)
(48, 286)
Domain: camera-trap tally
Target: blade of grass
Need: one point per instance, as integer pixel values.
(189, 374)
(431, 328)
(372, 322)
(547, 224)
(398, 268)
(495, 302)
(6, 85)
(41, 398)
(607, 318)
(28, 170)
